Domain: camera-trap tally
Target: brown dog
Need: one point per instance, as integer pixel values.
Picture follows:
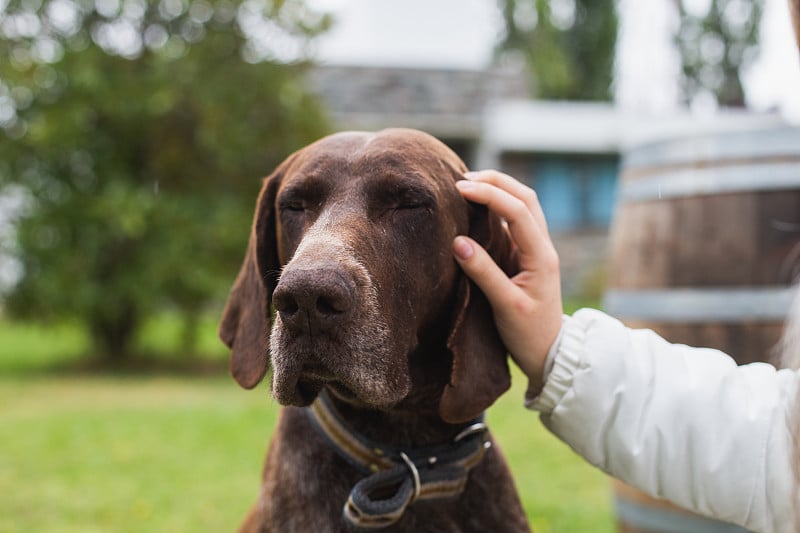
(378, 328)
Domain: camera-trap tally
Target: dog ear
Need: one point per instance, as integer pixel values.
(480, 367)
(244, 327)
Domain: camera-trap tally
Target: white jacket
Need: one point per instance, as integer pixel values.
(685, 424)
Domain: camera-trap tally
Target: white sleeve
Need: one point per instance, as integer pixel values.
(680, 423)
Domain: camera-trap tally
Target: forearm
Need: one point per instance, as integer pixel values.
(681, 423)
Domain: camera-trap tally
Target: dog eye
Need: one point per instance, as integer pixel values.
(295, 206)
(410, 204)
(295, 203)
(412, 199)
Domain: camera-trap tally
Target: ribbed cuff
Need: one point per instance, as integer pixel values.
(564, 359)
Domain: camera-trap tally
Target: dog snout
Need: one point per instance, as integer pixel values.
(314, 301)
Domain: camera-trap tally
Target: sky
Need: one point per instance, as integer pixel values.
(461, 34)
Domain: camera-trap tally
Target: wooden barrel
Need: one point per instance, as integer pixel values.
(704, 247)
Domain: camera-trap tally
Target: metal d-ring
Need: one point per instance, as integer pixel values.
(478, 427)
(414, 474)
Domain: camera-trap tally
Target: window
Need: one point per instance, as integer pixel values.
(576, 191)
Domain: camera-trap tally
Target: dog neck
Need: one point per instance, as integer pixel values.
(400, 427)
(336, 417)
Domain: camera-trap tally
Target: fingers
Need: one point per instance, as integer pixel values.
(527, 308)
(515, 188)
(482, 269)
(523, 215)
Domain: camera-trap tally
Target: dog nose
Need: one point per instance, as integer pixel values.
(312, 301)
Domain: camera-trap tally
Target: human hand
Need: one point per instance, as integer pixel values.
(527, 307)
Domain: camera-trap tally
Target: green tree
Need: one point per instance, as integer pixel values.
(137, 132)
(716, 45)
(568, 45)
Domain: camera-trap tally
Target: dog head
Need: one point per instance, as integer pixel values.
(351, 244)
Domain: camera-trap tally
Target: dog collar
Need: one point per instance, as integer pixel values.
(406, 475)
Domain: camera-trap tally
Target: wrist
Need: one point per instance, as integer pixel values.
(540, 366)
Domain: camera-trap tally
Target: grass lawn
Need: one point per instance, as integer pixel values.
(132, 453)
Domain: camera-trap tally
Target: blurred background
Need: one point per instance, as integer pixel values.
(133, 136)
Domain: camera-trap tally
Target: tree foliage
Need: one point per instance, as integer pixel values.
(137, 131)
(716, 45)
(568, 45)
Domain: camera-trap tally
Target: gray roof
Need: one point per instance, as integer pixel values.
(445, 103)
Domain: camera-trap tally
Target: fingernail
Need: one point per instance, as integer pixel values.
(462, 248)
(465, 185)
(470, 175)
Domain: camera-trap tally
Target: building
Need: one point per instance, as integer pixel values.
(570, 152)
(448, 104)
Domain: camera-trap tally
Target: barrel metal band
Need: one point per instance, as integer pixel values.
(700, 305)
(712, 180)
(767, 144)
(643, 518)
